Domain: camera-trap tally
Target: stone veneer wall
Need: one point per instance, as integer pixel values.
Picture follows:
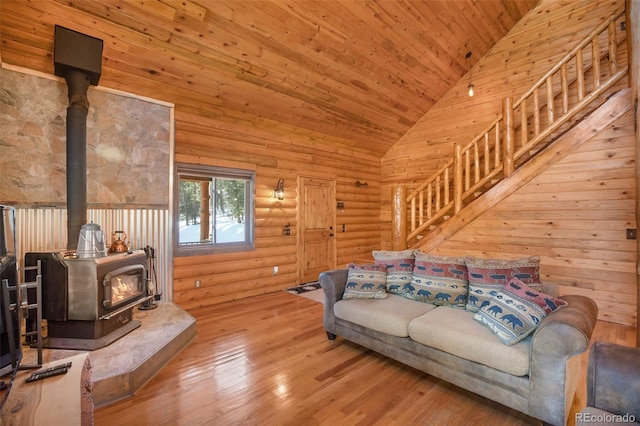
(128, 146)
(128, 166)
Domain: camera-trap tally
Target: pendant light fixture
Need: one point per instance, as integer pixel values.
(468, 57)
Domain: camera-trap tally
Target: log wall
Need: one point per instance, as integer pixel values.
(278, 155)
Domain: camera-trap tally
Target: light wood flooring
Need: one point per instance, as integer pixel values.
(266, 361)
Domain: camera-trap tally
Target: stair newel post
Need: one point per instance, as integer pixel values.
(508, 165)
(399, 219)
(457, 178)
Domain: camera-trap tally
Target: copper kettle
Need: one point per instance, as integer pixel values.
(118, 242)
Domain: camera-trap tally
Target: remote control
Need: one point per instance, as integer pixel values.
(57, 367)
(49, 373)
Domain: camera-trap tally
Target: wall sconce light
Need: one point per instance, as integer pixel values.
(468, 57)
(279, 191)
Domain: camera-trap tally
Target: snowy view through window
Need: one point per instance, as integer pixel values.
(228, 230)
(225, 197)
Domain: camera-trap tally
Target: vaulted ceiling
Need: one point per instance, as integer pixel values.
(362, 72)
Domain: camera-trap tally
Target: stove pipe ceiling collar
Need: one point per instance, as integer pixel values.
(78, 58)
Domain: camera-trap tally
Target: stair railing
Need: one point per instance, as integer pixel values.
(564, 90)
(552, 101)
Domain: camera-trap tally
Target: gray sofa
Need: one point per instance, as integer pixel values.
(537, 376)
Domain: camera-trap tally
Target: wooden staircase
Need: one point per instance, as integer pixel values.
(573, 100)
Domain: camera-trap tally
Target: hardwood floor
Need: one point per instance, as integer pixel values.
(266, 361)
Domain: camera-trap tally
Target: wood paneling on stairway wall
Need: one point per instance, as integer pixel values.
(574, 215)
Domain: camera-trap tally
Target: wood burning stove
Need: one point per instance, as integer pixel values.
(88, 303)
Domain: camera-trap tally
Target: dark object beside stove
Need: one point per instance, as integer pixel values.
(10, 349)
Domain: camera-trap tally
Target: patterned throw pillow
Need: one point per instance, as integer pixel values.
(366, 282)
(487, 276)
(516, 310)
(441, 280)
(399, 267)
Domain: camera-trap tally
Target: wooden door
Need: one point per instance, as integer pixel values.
(316, 244)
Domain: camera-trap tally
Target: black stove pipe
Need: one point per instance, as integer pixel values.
(78, 58)
(78, 84)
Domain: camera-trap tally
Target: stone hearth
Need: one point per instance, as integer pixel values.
(122, 368)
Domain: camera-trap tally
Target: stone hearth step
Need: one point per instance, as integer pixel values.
(122, 368)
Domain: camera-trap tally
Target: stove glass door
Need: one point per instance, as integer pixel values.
(123, 284)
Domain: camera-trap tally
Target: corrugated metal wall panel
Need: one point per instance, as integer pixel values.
(45, 229)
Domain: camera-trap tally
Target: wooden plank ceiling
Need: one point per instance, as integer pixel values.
(359, 72)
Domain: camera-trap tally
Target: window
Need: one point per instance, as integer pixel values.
(214, 209)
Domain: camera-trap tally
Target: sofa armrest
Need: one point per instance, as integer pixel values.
(333, 284)
(554, 368)
(613, 379)
(567, 331)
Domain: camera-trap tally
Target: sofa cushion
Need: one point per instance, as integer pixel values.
(487, 276)
(454, 331)
(441, 280)
(516, 310)
(399, 268)
(389, 316)
(366, 282)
